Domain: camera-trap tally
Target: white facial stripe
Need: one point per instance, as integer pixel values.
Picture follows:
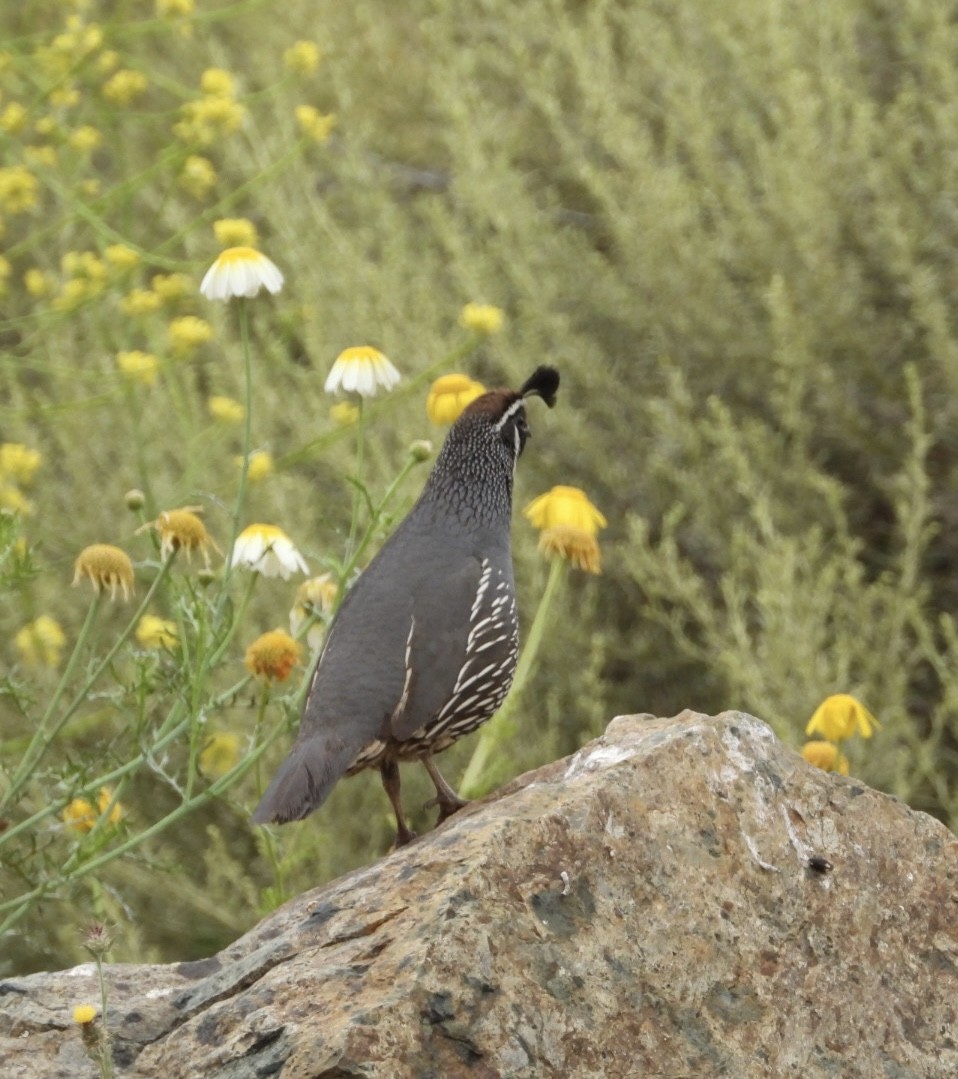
(509, 413)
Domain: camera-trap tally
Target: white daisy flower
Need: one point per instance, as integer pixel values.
(268, 550)
(240, 271)
(362, 369)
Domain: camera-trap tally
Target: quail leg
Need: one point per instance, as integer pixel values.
(446, 798)
(389, 771)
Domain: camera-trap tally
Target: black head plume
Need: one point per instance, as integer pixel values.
(543, 382)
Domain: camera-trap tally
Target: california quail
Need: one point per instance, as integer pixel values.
(423, 648)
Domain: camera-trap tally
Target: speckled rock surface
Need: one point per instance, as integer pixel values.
(681, 898)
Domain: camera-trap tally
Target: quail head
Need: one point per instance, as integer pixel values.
(423, 648)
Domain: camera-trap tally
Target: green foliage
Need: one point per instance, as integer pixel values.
(732, 229)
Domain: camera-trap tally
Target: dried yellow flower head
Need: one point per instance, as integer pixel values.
(273, 656)
(182, 530)
(839, 717)
(105, 566)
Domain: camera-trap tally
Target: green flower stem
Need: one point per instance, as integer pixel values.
(247, 442)
(237, 621)
(106, 1057)
(355, 556)
(36, 747)
(496, 731)
(358, 482)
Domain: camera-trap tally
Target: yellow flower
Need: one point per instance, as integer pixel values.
(14, 118)
(361, 369)
(121, 256)
(273, 656)
(141, 366)
(268, 550)
(449, 395)
(107, 61)
(106, 566)
(839, 717)
(187, 333)
(344, 413)
(568, 524)
(240, 271)
(225, 409)
(155, 632)
(235, 232)
(18, 462)
(317, 125)
(314, 598)
(215, 82)
(182, 530)
(481, 318)
(15, 501)
(140, 301)
(81, 815)
(260, 465)
(220, 754)
(197, 176)
(171, 286)
(208, 117)
(84, 264)
(73, 293)
(45, 156)
(83, 1014)
(175, 7)
(302, 57)
(40, 642)
(85, 138)
(825, 755)
(125, 86)
(19, 189)
(37, 283)
(565, 506)
(105, 801)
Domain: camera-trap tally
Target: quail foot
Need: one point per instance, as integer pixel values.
(424, 647)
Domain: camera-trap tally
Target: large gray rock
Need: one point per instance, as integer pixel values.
(681, 898)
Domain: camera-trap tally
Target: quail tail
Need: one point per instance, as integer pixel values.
(304, 779)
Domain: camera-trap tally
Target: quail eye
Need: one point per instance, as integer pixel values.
(515, 434)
